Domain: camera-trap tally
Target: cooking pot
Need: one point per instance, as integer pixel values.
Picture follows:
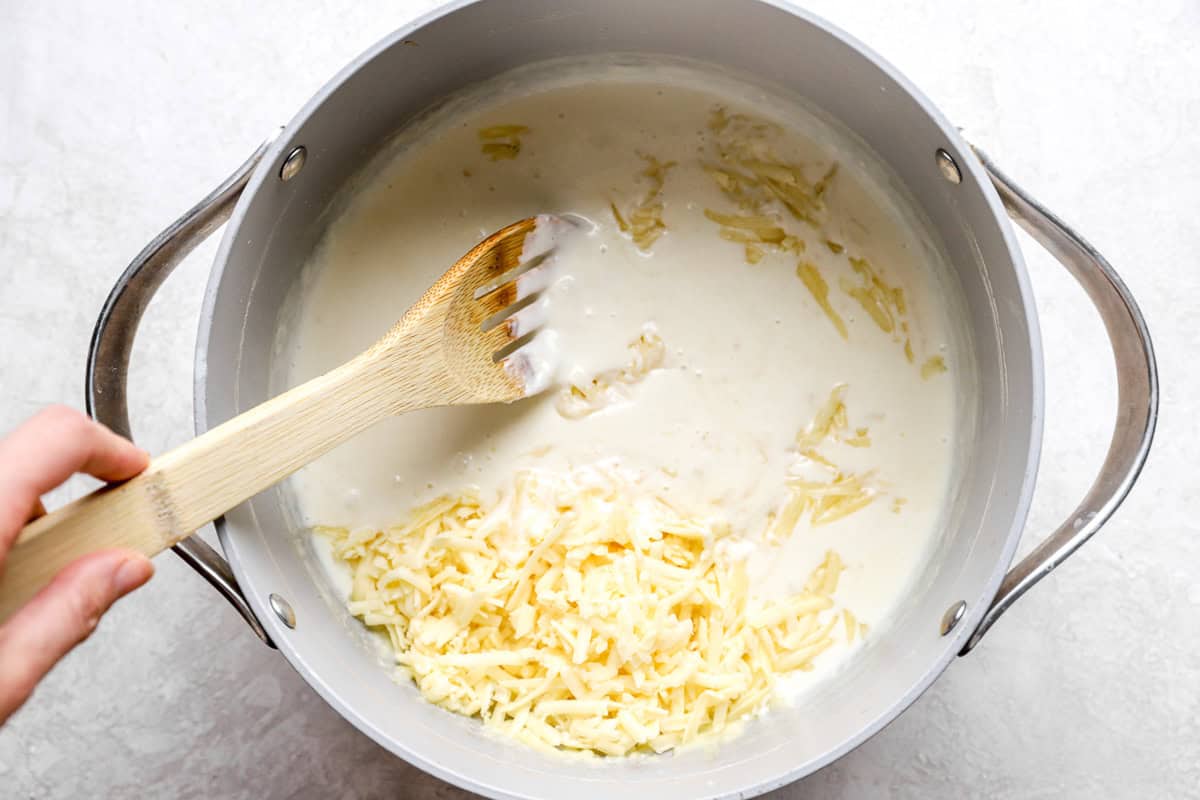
(277, 204)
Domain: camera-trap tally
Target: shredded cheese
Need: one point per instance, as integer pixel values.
(817, 486)
(578, 614)
(771, 195)
(645, 219)
(501, 142)
(581, 398)
(934, 365)
(766, 190)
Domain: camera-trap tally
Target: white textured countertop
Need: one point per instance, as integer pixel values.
(115, 117)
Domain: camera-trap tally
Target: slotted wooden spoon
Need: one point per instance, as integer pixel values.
(465, 341)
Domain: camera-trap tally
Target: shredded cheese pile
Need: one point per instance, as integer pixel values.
(579, 614)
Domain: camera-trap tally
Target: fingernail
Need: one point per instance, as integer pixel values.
(131, 574)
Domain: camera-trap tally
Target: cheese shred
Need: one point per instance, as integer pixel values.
(644, 222)
(581, 398)
(501, 142)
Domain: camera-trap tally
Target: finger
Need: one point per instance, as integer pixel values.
(39, 510)
(61, 616)
(59, 441)
(49, 448)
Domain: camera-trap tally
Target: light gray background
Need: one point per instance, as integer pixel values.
(115, 117)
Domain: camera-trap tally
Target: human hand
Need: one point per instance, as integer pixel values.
(35, 458)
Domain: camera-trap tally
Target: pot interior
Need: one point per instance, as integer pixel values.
(278, 223)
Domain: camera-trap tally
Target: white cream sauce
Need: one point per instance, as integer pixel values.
(750, 355)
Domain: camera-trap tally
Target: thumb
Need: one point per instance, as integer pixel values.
(61, 616)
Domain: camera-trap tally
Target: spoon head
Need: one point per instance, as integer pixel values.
(493, 340)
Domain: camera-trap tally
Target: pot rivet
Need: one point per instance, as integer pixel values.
(948, 166)
(283, 610)
(953, 616)
(293, 163)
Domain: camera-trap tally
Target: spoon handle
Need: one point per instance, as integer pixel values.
(198, 481)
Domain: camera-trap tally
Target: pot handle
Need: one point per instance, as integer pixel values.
(1137, 393)
(112, 343)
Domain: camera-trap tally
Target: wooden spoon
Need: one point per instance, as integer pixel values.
(465, 341)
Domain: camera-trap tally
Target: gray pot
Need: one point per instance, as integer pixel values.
(275, 203)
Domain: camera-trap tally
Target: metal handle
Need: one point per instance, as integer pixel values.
(1137, 393)
(112, 343)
